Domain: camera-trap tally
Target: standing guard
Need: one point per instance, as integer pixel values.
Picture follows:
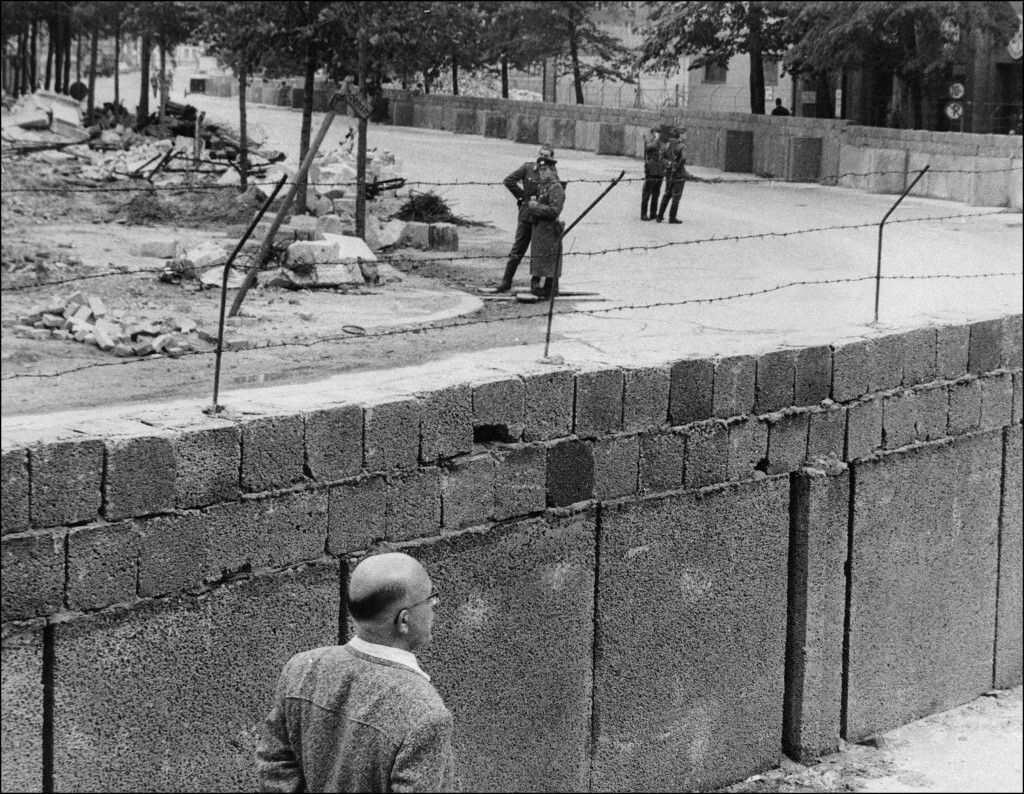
(653, 172)
(674, 158)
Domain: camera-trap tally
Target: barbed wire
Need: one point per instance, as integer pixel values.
(390, 258)
(461, 323)
(126, 187)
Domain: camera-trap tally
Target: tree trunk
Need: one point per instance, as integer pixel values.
(66, 80)
(93, 55)
(756, 60)
(455, 73)
(78, 57)
(917, 101)
(574, 53)
(163, 75)
(504, 77)
(33, 60)
(142, 112)
(117, 57)
(50, 27)
(16, 82)
(243, 135)
(301, 198)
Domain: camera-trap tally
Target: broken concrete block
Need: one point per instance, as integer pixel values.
(351, 248)
(103, 340)
(206, 254)
(60, 335)
(156, 247)
(311, 252)
(342, 273)
(97, 306)
(83, 335)
(82, 314)
(416, 235)
(183, 323)
(331, 224)
(230, 178)
(70, 304)
(55, 305)
(391, 232)
(303, 223)
(443, 237)
(143, 347)
(122, 350)
(51, 321)
(214, 277)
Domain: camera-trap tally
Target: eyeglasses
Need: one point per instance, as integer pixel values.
(433, 599)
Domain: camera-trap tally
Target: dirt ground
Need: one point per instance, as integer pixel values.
(976, 747)
(60, 236)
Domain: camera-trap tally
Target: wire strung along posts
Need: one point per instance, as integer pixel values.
(300, 177)
(224, 288)
(554, 281)
(878, 271)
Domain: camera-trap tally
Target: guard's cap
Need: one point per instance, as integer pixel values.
(546, 155)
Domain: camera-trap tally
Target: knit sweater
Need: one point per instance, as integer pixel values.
(343, 720)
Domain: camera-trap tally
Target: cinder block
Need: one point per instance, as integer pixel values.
(265, 533)
(616, 466)
(899, 420)
(776, 381)
(662, 457)
(787, 443)
(932, 412)
(733, 386)
(964, 407)
(334, 442)
(443, 237)
(690, 394)
(1009, 645)
(1013, 344)
(66, 480)
(645, 398)
(15, 486)
(996, 401)
(192, 658)
(22, 697)
(922, 571)
(826, 434)
(206, 463)
(814, 650)
(102, 565)
(851, 371)
(547, 411)
(598, 403)
(499, 404)
(710, 711)
(535, 578)
(520, 481)
(985, 351)
(886, 369)
(863, 429)
(172, 554)
(464, 122)
(416, 235)
(446, 423)
(467, 491)
(273, 452)
(919, 358)
(139, 478)
(748, 448)
(391, 435)
(951, 343)
(611, 139)
(813, 375)
(524, 129)
(355, 517)
(413, 505)
(558, 132)
(570, 472)
(33, 566)
(493, 124)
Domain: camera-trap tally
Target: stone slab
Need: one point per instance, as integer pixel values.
(1009, 631)
(21, 737)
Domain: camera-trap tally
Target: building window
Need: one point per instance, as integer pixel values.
(771, 71)
(715, 73)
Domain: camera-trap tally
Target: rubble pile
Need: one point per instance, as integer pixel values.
(85, 318)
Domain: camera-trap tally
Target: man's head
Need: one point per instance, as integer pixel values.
(546, 155)
(391, 599)
(778, 102)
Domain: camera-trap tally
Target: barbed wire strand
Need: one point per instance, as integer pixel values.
(513, 318)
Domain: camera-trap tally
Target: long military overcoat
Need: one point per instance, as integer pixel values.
(546, 240)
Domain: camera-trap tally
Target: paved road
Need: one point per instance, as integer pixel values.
(797, 315)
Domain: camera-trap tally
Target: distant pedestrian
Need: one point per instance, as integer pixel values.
(654, 170)
(364, 716)
(673, 156)
(524, 184)
(779, 110)
(154, 83)
(546, 237)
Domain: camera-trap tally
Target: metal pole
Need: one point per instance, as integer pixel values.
(554, 281)
(224, 287)
(878, 272)
(361, 143)
(268, 241)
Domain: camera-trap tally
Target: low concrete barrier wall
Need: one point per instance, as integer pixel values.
(651, 565)
(982, 170)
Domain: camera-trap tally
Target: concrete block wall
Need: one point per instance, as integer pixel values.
(980, 170)
(157, 571)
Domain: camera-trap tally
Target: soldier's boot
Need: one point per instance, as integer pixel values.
(506, 281)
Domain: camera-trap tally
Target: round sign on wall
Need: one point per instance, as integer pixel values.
(957, 91)
(954, 110)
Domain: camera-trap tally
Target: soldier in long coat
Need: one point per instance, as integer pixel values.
(674, 157)
(546, 238)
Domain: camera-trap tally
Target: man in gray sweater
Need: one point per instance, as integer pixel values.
(364, 716)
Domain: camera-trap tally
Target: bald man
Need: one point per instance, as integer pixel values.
(364, 716)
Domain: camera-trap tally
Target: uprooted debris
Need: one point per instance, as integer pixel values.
(85, 318)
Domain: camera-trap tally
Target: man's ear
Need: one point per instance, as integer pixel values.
(403, 621)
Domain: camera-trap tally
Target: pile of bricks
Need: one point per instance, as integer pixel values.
(84, 318)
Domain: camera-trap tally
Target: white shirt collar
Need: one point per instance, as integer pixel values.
(397, 655)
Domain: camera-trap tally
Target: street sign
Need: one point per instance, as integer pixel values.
(957, 91)
(359, 104)
(954, 110)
